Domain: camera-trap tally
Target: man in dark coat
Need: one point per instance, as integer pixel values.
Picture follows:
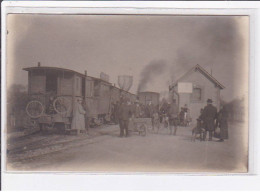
(124, 113)
(209, 115)
(173, 116)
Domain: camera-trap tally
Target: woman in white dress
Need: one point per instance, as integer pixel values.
(78, 119)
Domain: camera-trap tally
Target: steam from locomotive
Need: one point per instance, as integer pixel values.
(150, 72)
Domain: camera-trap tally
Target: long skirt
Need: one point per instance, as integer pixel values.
(223, 129)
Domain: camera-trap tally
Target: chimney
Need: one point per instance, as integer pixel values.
(39, 64)
(86, 73)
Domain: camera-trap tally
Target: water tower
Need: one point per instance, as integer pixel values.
(125, 82)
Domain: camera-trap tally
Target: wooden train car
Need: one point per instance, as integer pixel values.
(60, 88)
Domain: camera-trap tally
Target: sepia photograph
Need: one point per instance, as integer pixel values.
(117, 93)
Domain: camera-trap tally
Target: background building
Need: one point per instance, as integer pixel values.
(194, 88)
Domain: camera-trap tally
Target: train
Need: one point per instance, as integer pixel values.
(61, 87)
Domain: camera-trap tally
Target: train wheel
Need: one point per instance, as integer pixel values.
(61, 105)
(34, 109)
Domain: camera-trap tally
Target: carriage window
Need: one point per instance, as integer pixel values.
(89, 85)
(78, 88)
(104, 90)
(66, 80)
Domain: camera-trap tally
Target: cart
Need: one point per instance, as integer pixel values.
(140, 125)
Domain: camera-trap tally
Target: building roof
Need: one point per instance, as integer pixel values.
(203, 72)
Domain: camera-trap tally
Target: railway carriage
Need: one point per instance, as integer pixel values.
(60, 88)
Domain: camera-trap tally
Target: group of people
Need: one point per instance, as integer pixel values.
(168, 114)
(124, 110)
(210, 119)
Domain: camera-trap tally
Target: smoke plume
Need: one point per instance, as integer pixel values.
(151, 71)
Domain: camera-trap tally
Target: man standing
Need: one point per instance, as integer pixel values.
(173, 117)
(209, 115)
(124, 115)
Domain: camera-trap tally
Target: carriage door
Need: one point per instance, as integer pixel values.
(51, 83)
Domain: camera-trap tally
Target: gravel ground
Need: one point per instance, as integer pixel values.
(104, 151)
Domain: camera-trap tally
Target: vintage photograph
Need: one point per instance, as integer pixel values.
(127, 93)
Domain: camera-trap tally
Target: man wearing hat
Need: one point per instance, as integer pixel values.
(209, 115)
(173, 117)
(124, 113)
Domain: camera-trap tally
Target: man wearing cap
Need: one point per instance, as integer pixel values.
(209, 115)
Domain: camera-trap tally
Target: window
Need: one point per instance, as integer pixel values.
(196, 95)
(96, 89)
(89, 88)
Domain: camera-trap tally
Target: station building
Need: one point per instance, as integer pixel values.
(194, 88)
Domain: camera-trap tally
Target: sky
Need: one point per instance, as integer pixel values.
(162, 47)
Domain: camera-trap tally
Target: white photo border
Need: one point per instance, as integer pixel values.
(18, 180)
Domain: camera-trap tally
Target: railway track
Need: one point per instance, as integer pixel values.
(35, 149)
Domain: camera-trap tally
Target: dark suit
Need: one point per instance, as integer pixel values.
(124, 114)
(173, 117)
(209, 115)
